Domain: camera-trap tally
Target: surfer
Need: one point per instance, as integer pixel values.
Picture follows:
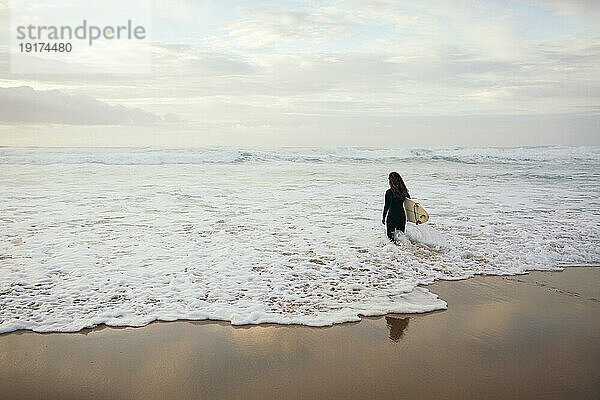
(394, 205)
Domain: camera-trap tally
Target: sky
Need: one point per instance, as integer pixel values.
(374, 73)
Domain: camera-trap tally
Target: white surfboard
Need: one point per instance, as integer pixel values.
(414, 212)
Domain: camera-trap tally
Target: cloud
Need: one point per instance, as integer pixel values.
(185, 59)
(357, 66)
(266, 28)
(584, 8)
(24, 104)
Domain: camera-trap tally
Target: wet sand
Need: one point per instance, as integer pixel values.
(529, 337)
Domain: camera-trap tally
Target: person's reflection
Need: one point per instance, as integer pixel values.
(396, 327)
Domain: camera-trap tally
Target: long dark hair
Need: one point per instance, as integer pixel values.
(398, 187)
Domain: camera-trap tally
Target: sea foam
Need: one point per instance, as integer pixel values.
(124, 237)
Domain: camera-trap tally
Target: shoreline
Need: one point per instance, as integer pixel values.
(535, 335)
(273, 324)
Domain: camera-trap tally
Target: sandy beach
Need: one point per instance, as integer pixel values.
(299, 200)
(530, 336)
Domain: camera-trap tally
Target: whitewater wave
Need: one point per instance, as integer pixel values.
(227, 155)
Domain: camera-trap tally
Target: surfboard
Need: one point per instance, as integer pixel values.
(414, 212)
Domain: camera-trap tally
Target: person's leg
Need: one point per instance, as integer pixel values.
(391, 227)
(402, 223)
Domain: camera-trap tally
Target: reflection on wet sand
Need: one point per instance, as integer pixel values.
(514, 340)
(396, 327)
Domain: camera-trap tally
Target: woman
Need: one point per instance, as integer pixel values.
(394, 205)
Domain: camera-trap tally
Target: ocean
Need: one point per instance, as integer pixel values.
(127, 236)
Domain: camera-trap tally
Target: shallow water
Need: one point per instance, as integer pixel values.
(128, 236)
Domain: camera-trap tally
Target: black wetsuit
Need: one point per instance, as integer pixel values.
(396, 217)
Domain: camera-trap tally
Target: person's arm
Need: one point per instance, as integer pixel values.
(386, 207)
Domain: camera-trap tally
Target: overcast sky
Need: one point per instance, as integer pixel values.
(329, 73)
